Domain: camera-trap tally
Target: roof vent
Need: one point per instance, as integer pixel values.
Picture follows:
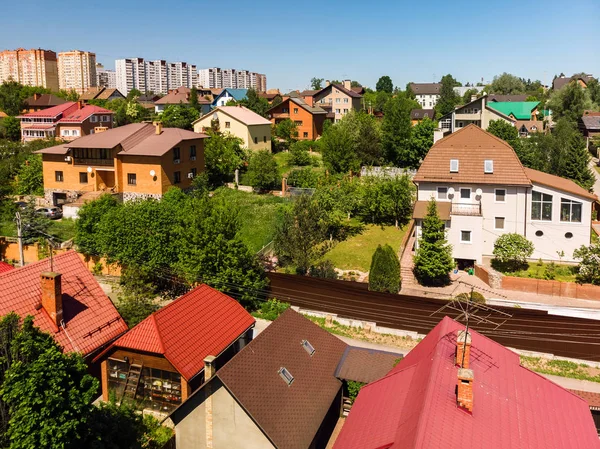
(453, 165)
(308, 347)
(488, 166)
(286, 376)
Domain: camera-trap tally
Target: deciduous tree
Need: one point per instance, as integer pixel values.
(513, 249)
(589, 265)
(507, 84)
(448, 97)
(262, 170)
(316, 83)
(179, 116)
(384, 84)
(396, 130)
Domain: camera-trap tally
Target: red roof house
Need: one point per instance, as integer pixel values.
(166, 353)
(65, 300)
(4, 267)
(429, 401)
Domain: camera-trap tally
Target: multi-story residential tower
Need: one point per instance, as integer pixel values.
(30, 67)
(211, 78)
(131, 74)
(105, 78)
(76, 70)
(215, 77)
(156, 76)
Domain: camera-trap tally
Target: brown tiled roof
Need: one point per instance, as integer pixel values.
(289, 415)
(593, 399)
(591, 122)
(443, 207)
(107, 93)
(562, 81)
(556, 182)
(530, 125)
(504, 98)
(110, 138)
(418, 114)
(308, 93)
(91, 93)
(348, 92)
(472, 146)
(268, 96)
(44, 100)
(365, 365)
(180, 95)
(425, 88)
(358, 89)
(158, 144)
(58, 149)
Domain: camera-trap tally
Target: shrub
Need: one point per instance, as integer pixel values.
(475, 297)
(262, 170)
(299, 155)
(384, 275)
(97, 270)
(305, 178)
(272, 308)
(513, 249)
(589, 267)
(324, 269)
(353, 389)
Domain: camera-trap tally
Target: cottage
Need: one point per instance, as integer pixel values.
(477, 112)
(227, 95)
(339, 99)
(309, 119)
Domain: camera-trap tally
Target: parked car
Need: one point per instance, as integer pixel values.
(21, 204)
(52, 213)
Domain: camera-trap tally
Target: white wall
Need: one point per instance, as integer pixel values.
(427, 101)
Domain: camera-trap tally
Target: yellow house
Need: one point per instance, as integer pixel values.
(132, 161)
(253, 129)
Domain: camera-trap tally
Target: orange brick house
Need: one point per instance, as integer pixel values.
(136, 160)
(309, 119)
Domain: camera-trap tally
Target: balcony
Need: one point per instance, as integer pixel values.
(92, 162)
(471, 209)
(280, 115)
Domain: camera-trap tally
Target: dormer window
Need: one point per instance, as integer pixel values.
(286, 376)
(488, 166)
(453, 165)
(308, 347)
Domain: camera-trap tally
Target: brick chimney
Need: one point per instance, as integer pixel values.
(464, 390)
(80, 104)
(327, 83)
(52, 296)
(347, 84)
(209, 367)
(36, 96)
(463, 347)
(158, 126)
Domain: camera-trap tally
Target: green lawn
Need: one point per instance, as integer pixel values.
(597, 168)
(63, 229)
(284, 166)
(258, 215)
(537, 270)
(355, 253)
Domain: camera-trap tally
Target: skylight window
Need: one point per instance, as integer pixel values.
(286, 376)
(488, 166)
(308, 347)
(453, 165)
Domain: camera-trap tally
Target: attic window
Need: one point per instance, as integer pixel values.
(308, 347)
(488, 166)
(453, 165)
(286, 376)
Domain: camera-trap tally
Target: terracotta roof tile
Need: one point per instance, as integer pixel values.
(472, 146)
(289, 415)
(200, 323)
(365, 365)
(4, 267)
(593, 399)
(556, 182)
(414, 406)
(91, 319)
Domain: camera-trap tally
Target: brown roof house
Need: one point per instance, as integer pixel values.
(416, 115)
(181, 95)
(477, 112)
(483, 191)
(339, 99)
(39, 102)
(283, 390)
(561, 81)
(101, 93)
(426, 94)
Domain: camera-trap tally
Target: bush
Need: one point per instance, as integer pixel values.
(324, 269)
(262, 171)
(474, 297)
(589, 267)
(305, 178)
(513, 249)
(353, 389)
(384, 275)
(299, 155)
(272, 308)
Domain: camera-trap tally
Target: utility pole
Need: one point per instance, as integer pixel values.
(20, 238)
(469, 299)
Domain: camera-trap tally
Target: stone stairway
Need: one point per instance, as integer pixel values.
(406, 264)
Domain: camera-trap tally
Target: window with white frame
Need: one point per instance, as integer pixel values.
(453, 165)
(488, 166)
(93, 119)
(345, 100)
(499, 222)
(442, 193)
(337, 100)
(465, 236)
(465, 194)
(500, 195)
(541, 206)
(570, 211)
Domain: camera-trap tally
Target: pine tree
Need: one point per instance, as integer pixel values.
(384, 275)
(433, 261)
(574, 157)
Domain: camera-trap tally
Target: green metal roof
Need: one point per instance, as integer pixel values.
(521, 110)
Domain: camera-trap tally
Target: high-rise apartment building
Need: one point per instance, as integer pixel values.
(157, 76)
(30, 67)
(105, 78)
(76, 70)
(216, 77)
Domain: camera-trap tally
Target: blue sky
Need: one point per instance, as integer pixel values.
(293, 41)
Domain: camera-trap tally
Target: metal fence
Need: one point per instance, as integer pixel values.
(381, 172)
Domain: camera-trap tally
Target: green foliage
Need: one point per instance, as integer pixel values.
(12, 98)
(384, 275)
(474, 297)
(384, 84)
(34, 225)
(10, 128)
(136, 301)
(272, 308)
(505, 131)
(507, 84)
(324, 269)
(299, 154)
(223, 154)
(155, 435)
(387, 200)
(305, 178)
(448, 97)
(300, 235)
(569, 102)
(193, 100)
(421, 140)
(466, 98)
(316, 83)
(179, 116)
(133, 94)
(262, 171)
(29, 179)
(87, 227)
(513, 249)
(589, 266)
(433, 261)
(285, 133)
(338, 200)
(255, 103)
(353, 389)
(396, 131)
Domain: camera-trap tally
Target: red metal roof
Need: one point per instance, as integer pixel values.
(200, 323)
(52, 112)
(414, 406)
(4, 267)
(79, 115)
(91, 319)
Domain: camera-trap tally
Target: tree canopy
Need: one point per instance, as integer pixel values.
(448, 97)
(316, 83)
(506, 84)
(384, 84)
(179, 116)
(384, 274)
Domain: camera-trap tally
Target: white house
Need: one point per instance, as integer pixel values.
(483, 191)
(426, 94)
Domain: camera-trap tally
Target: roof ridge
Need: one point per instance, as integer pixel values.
(158, 336)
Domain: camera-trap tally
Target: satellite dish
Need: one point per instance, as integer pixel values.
(152, 173)
(451, 191)
(89, 169)
(478, 192)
